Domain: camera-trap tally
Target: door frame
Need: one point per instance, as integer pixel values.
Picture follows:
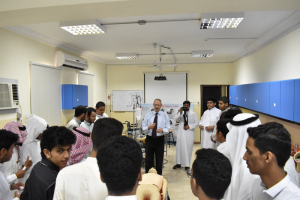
(201, 95)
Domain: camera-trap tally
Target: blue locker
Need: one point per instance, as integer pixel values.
(232, 94)
(245, 96)
(297, 100)
(74, 95)
(287, 98)
(275, 98)
(238, 95)
(252, 96)
(263, 92)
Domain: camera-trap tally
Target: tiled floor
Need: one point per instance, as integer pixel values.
(178, 183)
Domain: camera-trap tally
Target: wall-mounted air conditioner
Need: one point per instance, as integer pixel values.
(9, 96)
(69, 61)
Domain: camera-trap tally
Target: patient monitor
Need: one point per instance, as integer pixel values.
(152, 186)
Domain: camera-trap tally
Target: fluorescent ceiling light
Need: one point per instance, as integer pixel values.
(203, 53)
(221, 20)
(127, 56)
(83, 27)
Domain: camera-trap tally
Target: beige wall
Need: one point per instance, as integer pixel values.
(278, 61)
(16, 53)
(127, 77)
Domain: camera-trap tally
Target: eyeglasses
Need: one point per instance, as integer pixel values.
(189, 174)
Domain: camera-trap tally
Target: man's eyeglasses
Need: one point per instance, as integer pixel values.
(189, 174)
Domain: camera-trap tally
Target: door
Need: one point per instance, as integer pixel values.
(207, 91)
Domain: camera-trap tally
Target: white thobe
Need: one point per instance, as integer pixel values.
(284, 190)
(80, 181)
(101, 116)
(214, 137)
(73, 123)
(131, 197)
(290, 168)
(209, 118)
(5, 193)
(87, 125)
(185, 138)
(223, 148)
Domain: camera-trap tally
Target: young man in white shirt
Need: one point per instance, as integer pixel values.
(90, 118)
(120, 163)
(208, 122)
(7, 143)
(268, 149)
(100, 110)
(221, 132)
(188, 121)
(82, 180)
(79, 117)
(211, 174)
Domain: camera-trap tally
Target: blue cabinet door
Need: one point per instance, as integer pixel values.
(80, 95)
(297, 100)
(251, 96)
(287, 98)
(232, 94)
(66, 96)
(263, 92)
(245, 95)
(275, 98)
(238, 95)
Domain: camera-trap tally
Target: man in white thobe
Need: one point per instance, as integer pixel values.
(90, 118)
(79, 117)
(236, 140)
(35, 127)
(208, 122)
(185, 136)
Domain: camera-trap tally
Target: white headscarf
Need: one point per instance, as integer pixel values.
(35, 125)
(241, 179)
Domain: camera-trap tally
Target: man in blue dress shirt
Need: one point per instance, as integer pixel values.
(156, 123)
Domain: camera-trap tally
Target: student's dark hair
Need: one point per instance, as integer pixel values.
(212, 170)
(104, 129)
(224, 99)
(211, 99)
(100, 104)
(7, 138)
(272, 137)
(56, 136)
(89, 111)
(221, 126)
(79, 110)
(231, 113)
(120, 162)
(187, 102)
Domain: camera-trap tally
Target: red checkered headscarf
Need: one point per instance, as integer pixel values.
(81, 147)
(18, 129)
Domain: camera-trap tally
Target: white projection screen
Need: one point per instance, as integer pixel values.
(172, 91)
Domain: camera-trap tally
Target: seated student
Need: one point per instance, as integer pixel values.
(7, 143)
(100, 110)
(268, 149)
(31, 148)
(79, 117)
(56, 143)
(221, 133)
(211, 174)
(90, 118)
(120, 162)
(208, 122)
(82, 181)
(12, 169)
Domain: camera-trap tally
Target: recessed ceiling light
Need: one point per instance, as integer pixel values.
(202, 53)
(221, 20)
(127, 56)
(83, 27)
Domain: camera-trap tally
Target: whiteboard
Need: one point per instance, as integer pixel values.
(172, 91)
(46, 93)
(123, 100)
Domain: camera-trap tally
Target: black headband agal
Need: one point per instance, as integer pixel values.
(245, 121)
(82, 133)
(23, 128)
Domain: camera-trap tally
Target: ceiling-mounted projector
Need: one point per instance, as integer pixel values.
(160, 78)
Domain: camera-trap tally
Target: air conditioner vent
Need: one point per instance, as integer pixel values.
(15, 92)
(5, 101)
(72, 67)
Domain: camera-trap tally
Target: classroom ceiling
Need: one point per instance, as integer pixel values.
(263, 19)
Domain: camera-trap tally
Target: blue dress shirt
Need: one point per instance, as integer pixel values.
(163, 122)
